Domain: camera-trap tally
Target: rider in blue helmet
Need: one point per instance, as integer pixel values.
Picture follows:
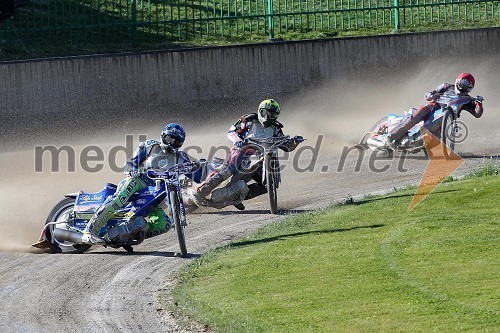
(149, 154)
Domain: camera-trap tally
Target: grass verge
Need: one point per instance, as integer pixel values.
(369, 266)
(49, 28)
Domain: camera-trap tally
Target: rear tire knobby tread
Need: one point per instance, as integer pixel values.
(53, 215)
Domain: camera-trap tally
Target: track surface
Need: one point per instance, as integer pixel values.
(111, 290)
(107, 290)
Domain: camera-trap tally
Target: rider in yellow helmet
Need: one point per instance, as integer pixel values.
(262, 124)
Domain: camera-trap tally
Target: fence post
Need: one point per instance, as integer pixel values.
(397, 25)
(4, 36)
(8, 30)
(133, 33)
(270, 18)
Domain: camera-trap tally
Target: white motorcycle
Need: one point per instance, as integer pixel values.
(258, 174)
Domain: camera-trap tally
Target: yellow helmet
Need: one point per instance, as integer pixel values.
(268, 112)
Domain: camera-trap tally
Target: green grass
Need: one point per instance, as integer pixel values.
(367, 266)
(74, 27)
(489, 169)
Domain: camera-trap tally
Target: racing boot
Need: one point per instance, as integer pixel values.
(389, 142)
(214, 180)
(93, 226)
(91, 239)
(254, 190)
(240, 206)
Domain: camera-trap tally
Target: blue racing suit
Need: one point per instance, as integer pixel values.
(149, 154)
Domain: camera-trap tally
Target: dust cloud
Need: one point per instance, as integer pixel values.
(344, 112)
(340, 111)
(30, 186)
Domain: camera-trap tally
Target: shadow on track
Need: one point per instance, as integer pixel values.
(393, 196)
(297, 234)
(472, 155)
(165, 254)
(257, 212)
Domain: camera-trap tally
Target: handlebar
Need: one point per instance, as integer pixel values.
(479, 99)
(178, 169)
(273, 140)
(271, 143)
(445, 99)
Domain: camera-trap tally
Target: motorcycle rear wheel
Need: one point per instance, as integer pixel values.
(176, 217)
(60, 213)
(271, 184)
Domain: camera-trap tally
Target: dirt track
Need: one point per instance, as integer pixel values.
(109, 290)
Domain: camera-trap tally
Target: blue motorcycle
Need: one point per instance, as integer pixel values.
(63, 228)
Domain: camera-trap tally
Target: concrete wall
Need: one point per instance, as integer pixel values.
(179, 79)
(85, 95)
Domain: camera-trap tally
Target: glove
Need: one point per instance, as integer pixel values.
(432, 96)
(196, 165)
(239, 144)
(134, 173)
(298, 139)
(479, 99)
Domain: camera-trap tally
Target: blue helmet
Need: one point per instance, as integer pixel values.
(173, 135)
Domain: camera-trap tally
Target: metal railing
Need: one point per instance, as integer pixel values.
(84, 26)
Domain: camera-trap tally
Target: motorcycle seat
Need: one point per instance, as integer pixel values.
(96, 197)
(393, 119)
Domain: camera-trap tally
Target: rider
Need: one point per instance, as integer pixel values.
(463, 86)
(149, 154)
(262, 124)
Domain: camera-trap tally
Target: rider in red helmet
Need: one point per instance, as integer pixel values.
(463, 86)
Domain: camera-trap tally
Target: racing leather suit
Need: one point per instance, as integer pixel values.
(475, 108)
(149, 154)
(248, 126)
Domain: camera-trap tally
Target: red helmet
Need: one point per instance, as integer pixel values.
(465, 82)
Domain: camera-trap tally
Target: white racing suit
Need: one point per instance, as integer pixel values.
(246, 127)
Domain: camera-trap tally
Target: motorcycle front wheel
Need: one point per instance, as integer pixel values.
(61, 213)
(271, 184)
(448, 132)
(176, 218)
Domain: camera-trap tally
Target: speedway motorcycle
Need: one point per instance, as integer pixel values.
(63, 228)
(442, 123)
(258, 174)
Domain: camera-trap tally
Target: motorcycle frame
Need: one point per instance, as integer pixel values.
(447, 102)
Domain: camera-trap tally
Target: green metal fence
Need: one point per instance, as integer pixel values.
(107, 25)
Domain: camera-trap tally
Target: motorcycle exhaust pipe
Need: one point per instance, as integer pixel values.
(374, 143)
(66, 235)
